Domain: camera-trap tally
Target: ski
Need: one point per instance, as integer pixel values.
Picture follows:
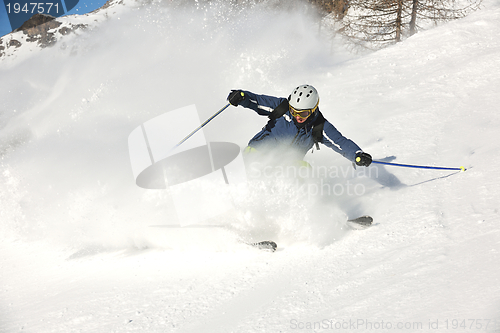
(265, 245)
(360, 223)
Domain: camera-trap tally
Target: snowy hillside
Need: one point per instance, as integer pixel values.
(77, 250)
(34, 34)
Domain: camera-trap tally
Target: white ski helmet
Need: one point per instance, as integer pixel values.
(304, 97)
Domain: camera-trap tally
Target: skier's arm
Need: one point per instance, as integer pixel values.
(262, 104)
(333, 139)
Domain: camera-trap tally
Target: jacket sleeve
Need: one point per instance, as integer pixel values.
(333, 139)
(262, 104)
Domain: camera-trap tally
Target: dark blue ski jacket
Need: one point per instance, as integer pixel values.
(287, 132)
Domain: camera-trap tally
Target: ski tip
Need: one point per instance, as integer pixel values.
(362, 219)
(266, 245)
(361, 222)
(462, 169)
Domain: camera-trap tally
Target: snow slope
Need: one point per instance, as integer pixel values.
(77, 252)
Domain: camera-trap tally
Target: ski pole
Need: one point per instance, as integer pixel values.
(419, 166)
(201, 126)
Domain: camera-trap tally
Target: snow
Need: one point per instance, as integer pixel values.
(77, 249)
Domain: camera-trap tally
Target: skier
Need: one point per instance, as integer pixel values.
(295, 126)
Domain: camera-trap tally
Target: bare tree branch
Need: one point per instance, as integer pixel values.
(378, 23)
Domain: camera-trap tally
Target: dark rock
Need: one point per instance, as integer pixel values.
(64, 31)
(14, 43)
(34, 21)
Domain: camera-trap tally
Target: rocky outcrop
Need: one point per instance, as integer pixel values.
(34, 21)
(42, 30)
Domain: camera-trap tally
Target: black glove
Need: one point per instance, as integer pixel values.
(235, 97)
(363, 159)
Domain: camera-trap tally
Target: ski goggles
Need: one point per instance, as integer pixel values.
(302, 113)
